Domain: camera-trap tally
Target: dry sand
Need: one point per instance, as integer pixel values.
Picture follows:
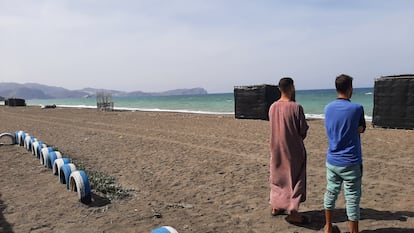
(197, 173)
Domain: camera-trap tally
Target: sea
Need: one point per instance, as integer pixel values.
(313, 102)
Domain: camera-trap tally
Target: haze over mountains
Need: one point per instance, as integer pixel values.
(40, 91)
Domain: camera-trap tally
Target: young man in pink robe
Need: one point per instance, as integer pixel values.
(287, 154)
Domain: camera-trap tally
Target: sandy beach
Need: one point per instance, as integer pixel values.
(194, 172)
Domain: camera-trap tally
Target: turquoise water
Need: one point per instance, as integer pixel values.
(313, 102)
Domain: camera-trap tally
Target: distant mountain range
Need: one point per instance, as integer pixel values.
(40, 91)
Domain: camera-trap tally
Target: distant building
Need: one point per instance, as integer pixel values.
(394, 102)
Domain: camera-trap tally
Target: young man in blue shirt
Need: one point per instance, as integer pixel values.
(344, 121)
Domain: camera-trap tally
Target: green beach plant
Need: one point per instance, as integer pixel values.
(102, 182)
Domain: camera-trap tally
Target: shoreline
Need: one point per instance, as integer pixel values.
(309, 116)
(224, 103)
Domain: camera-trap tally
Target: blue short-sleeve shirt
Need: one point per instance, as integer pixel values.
(342, 119)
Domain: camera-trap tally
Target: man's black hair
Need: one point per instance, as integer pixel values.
(285, 83)
(342, 83)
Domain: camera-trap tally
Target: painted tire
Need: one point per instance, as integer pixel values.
(30, 143)
(164, 229)
(65, 172)
(16, 136)
(35, 145)
(20, 137)
(39, 149)
(58, 164)
(30, 146)
(50, 160)
(18, 133)
(26, 142)
(44, 153)
(23, 138)
(79, 183)
(11, 136)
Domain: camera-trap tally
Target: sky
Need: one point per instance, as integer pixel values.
(159, 45)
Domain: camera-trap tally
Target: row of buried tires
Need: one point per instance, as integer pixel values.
(75, 180)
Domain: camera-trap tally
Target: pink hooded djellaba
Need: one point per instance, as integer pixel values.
(287, 155)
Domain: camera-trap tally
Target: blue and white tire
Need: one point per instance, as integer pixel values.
(79, 183)
(16, 136)
(50, 160)
(19, 137)
(58, 164)
(24, 138)
(31, 143)
(44, 153)
(65, 172)
(39, 149)
(164, 229)
(35, 145)
(18, 133)
(32, 140)
(26, 142)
